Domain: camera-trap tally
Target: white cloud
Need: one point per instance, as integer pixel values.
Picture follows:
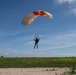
(66, 1)
(73, 11)
(72, 5)
(11, 33)
(8, 52)
(60, 40)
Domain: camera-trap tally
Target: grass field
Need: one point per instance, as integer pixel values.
(37, 62)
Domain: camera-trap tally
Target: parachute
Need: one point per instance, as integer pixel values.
(28, 19)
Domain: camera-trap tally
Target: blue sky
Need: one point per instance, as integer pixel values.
(57, 36)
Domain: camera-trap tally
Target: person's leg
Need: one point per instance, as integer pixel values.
(37, 45)
(34, 46)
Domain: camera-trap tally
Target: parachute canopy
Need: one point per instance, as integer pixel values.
(28, 19)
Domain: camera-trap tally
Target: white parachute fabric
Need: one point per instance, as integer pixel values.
(49, 15)
(28, 19)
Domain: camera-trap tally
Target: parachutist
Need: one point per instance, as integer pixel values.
(36, 42)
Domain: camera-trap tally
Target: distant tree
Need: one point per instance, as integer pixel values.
(73, 57)
(1, 56)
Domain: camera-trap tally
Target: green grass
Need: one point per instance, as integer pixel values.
(71, 73)
(37, 62)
